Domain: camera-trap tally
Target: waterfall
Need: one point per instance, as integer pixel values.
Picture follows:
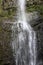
(25, 48)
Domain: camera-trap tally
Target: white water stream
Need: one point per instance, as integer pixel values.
(25, 48)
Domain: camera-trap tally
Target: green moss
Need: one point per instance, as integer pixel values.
(0, 1)
(0, 28)
(38, 8)
(8, 12)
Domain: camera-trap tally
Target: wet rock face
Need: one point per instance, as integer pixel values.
(38, 27)
(40, 42)
(5, 45)
(37, 24)
(5, 40)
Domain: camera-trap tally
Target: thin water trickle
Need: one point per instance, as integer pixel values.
(25, 47)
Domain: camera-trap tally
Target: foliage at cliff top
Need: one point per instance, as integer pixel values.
(8, 8)
(38, 8)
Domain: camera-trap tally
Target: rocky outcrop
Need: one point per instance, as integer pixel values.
(6, 53)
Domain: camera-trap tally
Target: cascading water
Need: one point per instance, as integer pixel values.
(25, 48)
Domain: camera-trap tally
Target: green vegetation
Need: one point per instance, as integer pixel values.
(6, 10)
(38, 8)
(7, 14)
